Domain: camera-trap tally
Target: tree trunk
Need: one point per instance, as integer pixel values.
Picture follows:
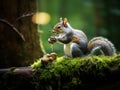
(19, 43)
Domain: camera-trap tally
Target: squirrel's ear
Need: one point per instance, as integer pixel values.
(60, 20)
(65, 21)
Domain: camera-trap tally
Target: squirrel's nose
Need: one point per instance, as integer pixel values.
(53, 31)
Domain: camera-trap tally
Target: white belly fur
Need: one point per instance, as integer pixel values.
(67, 50)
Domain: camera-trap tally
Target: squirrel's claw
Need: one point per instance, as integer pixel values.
(52, 40)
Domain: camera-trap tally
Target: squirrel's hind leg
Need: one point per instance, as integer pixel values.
(76, 51)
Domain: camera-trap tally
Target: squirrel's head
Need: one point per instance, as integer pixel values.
(59, 27)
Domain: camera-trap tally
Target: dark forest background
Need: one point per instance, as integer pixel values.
(94, 17)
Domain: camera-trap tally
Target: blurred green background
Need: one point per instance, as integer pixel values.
(94, 17)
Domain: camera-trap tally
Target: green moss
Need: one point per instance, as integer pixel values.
(74, 73)
(94, 72)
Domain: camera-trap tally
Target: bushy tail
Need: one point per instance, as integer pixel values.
(103, 44)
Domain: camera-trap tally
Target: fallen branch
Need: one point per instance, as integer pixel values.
(27, 71)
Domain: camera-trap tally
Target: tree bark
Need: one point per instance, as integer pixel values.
(15, 51)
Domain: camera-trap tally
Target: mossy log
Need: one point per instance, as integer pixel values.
(95, 72)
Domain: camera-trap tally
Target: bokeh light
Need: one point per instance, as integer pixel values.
(41, 18)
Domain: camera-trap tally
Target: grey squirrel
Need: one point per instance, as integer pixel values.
(76, 43)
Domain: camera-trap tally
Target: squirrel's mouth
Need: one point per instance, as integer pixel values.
(55, 32)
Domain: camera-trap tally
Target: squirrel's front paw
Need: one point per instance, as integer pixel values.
(52, 40)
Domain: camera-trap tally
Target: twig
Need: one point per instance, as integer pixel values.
(24, 15)
(13, 28)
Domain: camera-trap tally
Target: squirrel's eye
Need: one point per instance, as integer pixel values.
(58, 27)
